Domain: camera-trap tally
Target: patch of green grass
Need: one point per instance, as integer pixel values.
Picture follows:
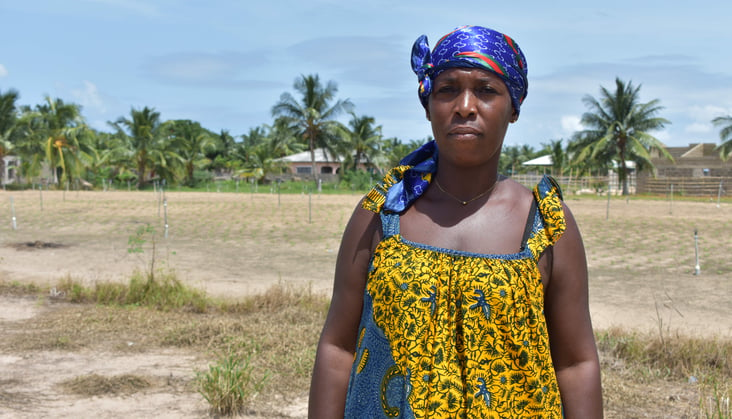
(163, 291)
(230, 383)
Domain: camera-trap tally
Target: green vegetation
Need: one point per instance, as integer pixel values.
(143, 149)
(618, 129)
(229, 385)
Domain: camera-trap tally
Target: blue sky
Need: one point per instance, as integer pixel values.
(225, 63)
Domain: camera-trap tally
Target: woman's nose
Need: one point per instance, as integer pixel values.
(466, 103)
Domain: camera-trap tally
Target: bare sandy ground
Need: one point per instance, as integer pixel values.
(641, 264)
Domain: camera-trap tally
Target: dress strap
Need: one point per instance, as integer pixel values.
(389, 223)
(546, 221)
(531, 220)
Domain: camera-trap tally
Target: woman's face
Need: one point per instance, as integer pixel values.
(470, 110)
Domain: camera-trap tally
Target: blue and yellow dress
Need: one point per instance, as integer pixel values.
(453, 334)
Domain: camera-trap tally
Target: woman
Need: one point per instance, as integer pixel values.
(459, 292)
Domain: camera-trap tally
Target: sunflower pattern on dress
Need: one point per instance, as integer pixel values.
(452, 334)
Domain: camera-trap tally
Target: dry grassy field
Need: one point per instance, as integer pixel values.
(238, 245)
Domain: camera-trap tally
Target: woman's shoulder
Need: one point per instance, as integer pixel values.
(514, 190)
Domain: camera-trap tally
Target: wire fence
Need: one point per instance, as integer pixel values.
(707, 186)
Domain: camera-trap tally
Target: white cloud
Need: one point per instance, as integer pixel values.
(698, 128)
(3, 71)
(89, 97)
(571, 124)
(662, 136)
(707, 113)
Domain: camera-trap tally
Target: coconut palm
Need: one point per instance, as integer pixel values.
(394, 150)
(513, 156)
(284, 138)
(54, 132)
(361, 141)
(146, 145)
(314, 115)
(8, 126)
(258, 152)
(725, 135)
(618, 129)
(190, 141)
(559, 156)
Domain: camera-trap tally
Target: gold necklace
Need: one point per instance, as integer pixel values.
(469, 200)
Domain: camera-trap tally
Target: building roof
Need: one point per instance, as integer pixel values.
(304, 157)
(539, 161)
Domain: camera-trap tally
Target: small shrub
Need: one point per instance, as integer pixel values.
(229, 384)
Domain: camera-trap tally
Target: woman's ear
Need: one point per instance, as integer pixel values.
(514, 116)
(427, 114)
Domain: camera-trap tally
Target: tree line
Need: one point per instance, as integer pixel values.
(142, 147)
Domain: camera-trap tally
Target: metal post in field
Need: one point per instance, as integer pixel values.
(697, 268)
(607, 209)
(12, 213)
(719, 193)
(165, 205)
(671, 201)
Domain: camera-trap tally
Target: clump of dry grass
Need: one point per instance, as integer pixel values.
(673, 356)
(98, 385)
(18, 288)
(693, 373)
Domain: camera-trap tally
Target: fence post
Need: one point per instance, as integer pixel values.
(697, 268)
(12, 212)
(719, 193)
(671, 201)
(165, 205)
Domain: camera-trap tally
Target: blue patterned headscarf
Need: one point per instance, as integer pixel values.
(472, 47)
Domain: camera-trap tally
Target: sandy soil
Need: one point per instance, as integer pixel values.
(237, 244)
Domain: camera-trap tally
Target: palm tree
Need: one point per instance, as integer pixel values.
(8, 125)
(190, 141)
(512, 158)
(725, 135)
(314, 116)
(54, 132)
(257, 154)
(394, 150)
(618, 127)
(106, 158)
(362, 141)
(284, 138)
(146, 145)
(559, 156)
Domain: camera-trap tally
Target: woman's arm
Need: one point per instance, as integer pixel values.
(570, 329)
(337, 344)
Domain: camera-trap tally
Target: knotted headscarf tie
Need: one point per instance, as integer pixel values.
(472, 47)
